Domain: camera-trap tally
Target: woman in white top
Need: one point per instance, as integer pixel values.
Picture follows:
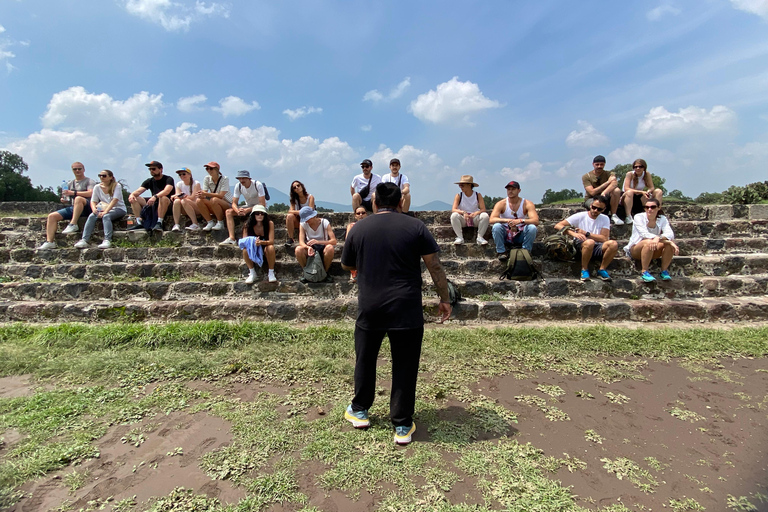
(634, 184)
(106, 204)
(215, 198)
(299, 199)
(187, 192)
(315, 233)
(652, 238)
(468, 210)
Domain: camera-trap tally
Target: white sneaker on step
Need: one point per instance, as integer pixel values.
(458, 241)
(72, 228)
(219, 226)
(210, 225)
(616, 220)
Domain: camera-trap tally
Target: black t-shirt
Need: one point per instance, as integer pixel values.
(155, 186)
(386, 249)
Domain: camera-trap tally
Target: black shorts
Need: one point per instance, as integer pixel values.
(597, 251)
(368, 205)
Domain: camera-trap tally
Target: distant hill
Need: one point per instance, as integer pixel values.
(437, 206)
(277, 196)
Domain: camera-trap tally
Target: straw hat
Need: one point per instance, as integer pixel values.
(468, 179)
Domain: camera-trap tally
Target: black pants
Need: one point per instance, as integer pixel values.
(406, 351)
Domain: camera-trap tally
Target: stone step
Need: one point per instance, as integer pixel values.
(290, 288)
(232, 267)
(688, 247)
(735, 309)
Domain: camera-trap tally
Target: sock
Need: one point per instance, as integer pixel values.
(252, 272)
(271, 273)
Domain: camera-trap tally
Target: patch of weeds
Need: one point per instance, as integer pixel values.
(489, 297)
(685, 505)
(278, 487)
(697, 367)
(185, 500)
(654, 464)
(137, 436)
(550, 412)
(742, 504)
(685, 415)
(149, 241)
(178, 451)
(75, 480)
(627, 468)
(591, 435)
(585, 395)
(617, 398)
(572, 463)
(551, 390)
(125, 505)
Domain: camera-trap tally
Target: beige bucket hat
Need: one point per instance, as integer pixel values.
(467, 178)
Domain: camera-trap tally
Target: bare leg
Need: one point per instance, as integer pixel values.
(177, 211)
(586, 253)
(615, 198)
(220, 206)
(407, 202)
(628, 198)
(327, 257)
(77, 208)
(356, 201)
(610, 248)
(137, 205)
(666, 256)
(301, 256)
(290, 224)
(203, 206)
(247, 260)
(231, 223)
(269, 251)
(50, 226)
(190, 208)
(162, 207)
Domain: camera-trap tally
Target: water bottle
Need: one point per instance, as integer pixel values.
(65, 186)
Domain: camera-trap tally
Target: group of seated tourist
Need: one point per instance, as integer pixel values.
(513, 220)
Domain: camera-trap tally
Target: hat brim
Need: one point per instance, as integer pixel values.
(466, 183)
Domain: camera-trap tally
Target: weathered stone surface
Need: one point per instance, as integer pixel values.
(157, 290)
(618, 311)
(465, 311)
(563, 310)
(494, 311)
(758, 211)
(591, 310)
(282, 311)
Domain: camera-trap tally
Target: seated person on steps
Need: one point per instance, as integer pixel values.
(514, 221)
(77, 201)
(258, 242)
(652, 238)
(299, 198)
(591, 231)
(161, 188)
(364, 180)
(599, 182)
(634, 182)
(107, 204)
(469, 210)
(253, 193)
(315, 235)
(215, 197)
(187, 192)
(399, 179)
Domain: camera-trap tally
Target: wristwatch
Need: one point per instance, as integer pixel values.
(587, 234)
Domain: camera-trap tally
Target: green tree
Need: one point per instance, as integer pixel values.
(550, 196)
(278, 208)
(320, 209)
(622, 170)
(710, 198)
(677, 194)
(14, 186)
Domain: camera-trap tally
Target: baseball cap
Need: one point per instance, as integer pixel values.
(184, 169)
(212, 164)
(366, 162)
(598, 158)
(243, 174)
(154, 163)
(512, 184)
(394, 161)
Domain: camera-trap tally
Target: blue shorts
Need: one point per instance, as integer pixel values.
(597, 250)
(66, 213)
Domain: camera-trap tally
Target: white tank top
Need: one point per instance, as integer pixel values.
(635, 180)
(302, 205)
(509, 214)
(469, 204)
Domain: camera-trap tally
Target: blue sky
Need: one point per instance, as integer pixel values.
(305, 90)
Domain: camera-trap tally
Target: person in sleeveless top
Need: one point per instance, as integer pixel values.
(468, 210)
(634, 183)
(514, 221)
(299, 198)
(214, 198)
(187, 192)
(315, 234)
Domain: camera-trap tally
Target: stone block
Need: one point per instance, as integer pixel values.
(564, 310)
(157, 290)
(493, 311)
(721, 311)
(74, 290)
(688, 310)
(618, 311)
(465, 311)
(556, 288)
(754, 311)
(720, 212)
(648, 310)
(591, 310)
(282, 311)
(26, 255)
(474, 288)
(758, 211)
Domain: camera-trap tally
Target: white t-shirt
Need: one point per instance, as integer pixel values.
(209, 185)
(100, 196)
(361, 181)
(401, 179)
(250, 194)
(316, 234)
(582, 220)
(185, 189)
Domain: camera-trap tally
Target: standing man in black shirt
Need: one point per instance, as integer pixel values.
(386, 249)
(161, 187)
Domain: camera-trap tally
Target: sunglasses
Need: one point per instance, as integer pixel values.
(359, 213)
(638, 167)
(153, 168)
(258, 213)
(597, 209)
(365, 166)
(650, 207)
(77, 168)
(103, 175)
(182, 173)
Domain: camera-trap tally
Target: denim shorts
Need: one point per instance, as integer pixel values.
(66, 213)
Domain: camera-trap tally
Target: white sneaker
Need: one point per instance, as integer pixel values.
(193, 227)
(481, 241)
(616, 220)
(458, 241)
(72, 228)
(106, 244)
(210, 225)
(47, 246)
(82, 244)
(176, 228)
(628, 220)
(271, 277)
(219, 226)
(251, 278)
(228, 241)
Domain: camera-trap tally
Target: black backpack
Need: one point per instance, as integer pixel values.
(519, 266)
(266, 191)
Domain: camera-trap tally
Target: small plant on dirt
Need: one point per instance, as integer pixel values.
(551, 390)
(75, 480)
(685, 415)
(584, 395)
(654, 464)
(550, 412)
(742, 504)
(591, 435)
(183, 500)
(176, 451)
(686, 505)
(627, 468)
(125, 505)
(617, 398)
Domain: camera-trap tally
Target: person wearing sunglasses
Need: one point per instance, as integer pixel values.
(360, 214)
(299, 198)
(591, 231)
(363, 186)
(652, 238)
(215, 197)
(161, 188)
(258, 243)
(514, 221)
(107, 204)
(187, 191)
(77, 201)
(469, 210)
(638, 184)
(599, 182)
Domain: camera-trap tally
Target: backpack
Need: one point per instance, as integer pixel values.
(149, 216)
(314, 271)
(519, 266)
(454, 295)
(560, 246)
(266, 191)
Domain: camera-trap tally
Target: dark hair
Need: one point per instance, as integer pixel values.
(602, 199)
(252, 223)
(388, 195)
(295, 196)
(660, 212)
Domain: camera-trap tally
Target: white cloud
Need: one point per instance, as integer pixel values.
(366, 127)
(451, 102)
(574, 168)
(660, 123)
(5, 53)
(530, 172)
(173, 16)
(191, 103)
(759, 7)
(525, 156)
(468, 161)
(234, 106)
(752, 150)
(586, 137)
(631, 152)
(301, 112)
(659, 12)
(2, 29)
(397, 91)
(413, 160)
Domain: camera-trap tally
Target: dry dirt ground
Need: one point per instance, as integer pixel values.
(699, 435)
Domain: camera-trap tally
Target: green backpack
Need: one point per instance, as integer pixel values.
(560, 246)
(519, 266)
